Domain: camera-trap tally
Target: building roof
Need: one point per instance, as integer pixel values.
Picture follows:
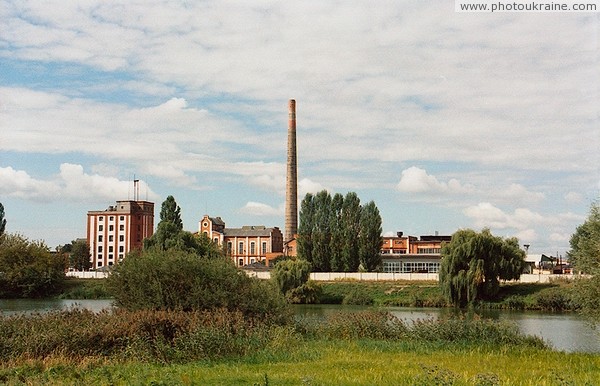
(217, 220)
(248, 231)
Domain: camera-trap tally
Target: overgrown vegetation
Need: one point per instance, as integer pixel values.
(292, 279)
(28, 269)
(178, 280)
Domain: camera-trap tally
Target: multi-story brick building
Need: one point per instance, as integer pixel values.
(406, 254)
(245, 245)
(121, 228)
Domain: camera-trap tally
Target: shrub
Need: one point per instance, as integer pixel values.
(554, 299)
(291, 277)
(178, 280)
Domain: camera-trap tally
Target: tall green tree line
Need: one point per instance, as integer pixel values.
(338, 234)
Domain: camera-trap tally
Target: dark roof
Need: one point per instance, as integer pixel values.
(248, 231)
(256, 266)
(217, 220)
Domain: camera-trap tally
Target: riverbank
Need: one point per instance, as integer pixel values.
(218, 347)
(554, 296)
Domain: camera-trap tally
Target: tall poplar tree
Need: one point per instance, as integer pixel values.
(321, 232)
(337, 233)
(305, 228)
(370, 239)
(351, 226)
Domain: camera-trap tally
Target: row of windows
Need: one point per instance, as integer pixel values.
(429, 250)
(110, 249)
(241, 249)
(111, 218)
(410, 267)
(110, 259)
(110, 238)
(111, 228)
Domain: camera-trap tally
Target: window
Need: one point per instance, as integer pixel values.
(110, 238)
(264, 248)
(111, 228)
(101, 218)
(252, 248)
(241, 262)
(100, 238)
(99, 264)
(110, 257)
(111, 218)
(110, 248)
(121, 227)
(100, 228)
(100, 249)
(122, 218)
(241, 247)
(229, 247)
(121, 248)
(121, 238)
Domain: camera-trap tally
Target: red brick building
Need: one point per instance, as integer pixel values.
(121, 228)
(246, 245)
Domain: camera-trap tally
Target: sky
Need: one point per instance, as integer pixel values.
(446, 120)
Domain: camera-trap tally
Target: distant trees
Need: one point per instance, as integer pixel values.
(80, 256)
(473, 263)
(28, 268)
(338, 234)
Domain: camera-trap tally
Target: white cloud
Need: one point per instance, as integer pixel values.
(417, 180)
(70, 183)
(260, 209)
(305, 185)
(487, 215)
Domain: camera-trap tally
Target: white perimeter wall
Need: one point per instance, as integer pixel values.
(365, 276)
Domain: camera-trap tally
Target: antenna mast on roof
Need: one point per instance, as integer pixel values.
(136, 189)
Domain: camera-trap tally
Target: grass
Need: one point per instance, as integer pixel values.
(75, 288)
(338, 362)
(226, 348)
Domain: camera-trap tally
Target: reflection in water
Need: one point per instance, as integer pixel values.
(565, 332)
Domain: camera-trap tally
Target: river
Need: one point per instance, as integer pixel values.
(563, 331)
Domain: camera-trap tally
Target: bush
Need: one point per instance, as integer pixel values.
(291, 278)
(554, 299)
(178, 280)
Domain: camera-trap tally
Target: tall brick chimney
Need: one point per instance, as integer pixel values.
(291, 188)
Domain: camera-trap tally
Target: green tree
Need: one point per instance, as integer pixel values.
(80, 256)
(28, 269)
(370, 240)
(2, 220)
(351, 229)
(474, 263)
(171, 212)
(585, 257)
(321, 233)
(585, 243)
(292, 279)
(337, 233)
(305, 228)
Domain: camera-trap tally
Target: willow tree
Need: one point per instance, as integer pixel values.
(474, 263)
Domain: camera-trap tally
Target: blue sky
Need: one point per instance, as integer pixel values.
(446, 120)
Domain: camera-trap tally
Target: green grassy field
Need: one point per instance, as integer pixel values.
(340, 362)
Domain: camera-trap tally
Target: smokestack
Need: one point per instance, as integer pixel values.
(291, 188)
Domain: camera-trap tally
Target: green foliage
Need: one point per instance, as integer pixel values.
(179, 280)
(28, 268)
(291, 278)
(170, 212)
(80, 256)
(75, 288)
(555, 299)
(370, 240)
(585, 243)
(152, 336)
(338, 234)
(585, 295)
(2, 220)
(474, 263)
